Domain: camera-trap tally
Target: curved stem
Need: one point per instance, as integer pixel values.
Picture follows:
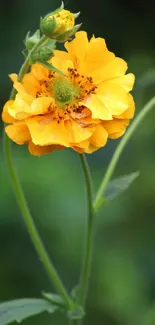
(37, 242)
(84, 279)
(119, 151)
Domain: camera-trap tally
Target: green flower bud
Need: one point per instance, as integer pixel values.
(30, 41)
(59, 24)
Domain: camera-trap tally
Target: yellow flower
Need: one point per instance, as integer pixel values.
(80, 109)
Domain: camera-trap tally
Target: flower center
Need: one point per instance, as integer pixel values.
(64, 91)
(68, 92)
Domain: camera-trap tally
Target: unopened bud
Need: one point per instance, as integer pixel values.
(59, 24)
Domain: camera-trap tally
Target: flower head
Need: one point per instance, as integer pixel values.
(80, 109)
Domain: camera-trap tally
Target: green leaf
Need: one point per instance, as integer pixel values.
(75, 292)
(54, 298)
(51, 43)
(119, 185)
(50, 67)
(116, 187)
(19, 309)
(30, 41)
(25, 52)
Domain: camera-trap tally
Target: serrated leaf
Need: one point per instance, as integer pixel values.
(119, 185)
(20, 309)
(115, 188)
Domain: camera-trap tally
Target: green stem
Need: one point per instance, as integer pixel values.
(24, 68)
(37, 242)
(119, 151)
(84, 279)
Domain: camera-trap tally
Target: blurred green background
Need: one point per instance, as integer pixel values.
(122, 287)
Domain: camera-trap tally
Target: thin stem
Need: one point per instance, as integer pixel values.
(84, 279)
(119, 151)
(37, 242)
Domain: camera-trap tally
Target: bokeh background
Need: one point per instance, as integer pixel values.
(122, 287)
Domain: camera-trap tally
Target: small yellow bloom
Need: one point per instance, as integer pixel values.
(59, 25)
(64, 21)
(81, 109)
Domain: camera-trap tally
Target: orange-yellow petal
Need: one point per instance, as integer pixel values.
(6, 117)
(20, 109)
(113, 97)
(77, 133)
(126, 81)
(113, 69)
(46, 131)
(99, 137)
(97, 55)
(39, 71)
(129, 113)
(41, 150)
(91, 148)
(13, 77)
(31, 84)
(77, 50)
(98, 108)
(62, 55)
(18, 132)
(81, 146)
(62, 65)
(41, 105)
(78, 149)
(23, 94)
(115, 128)
(61, 60)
